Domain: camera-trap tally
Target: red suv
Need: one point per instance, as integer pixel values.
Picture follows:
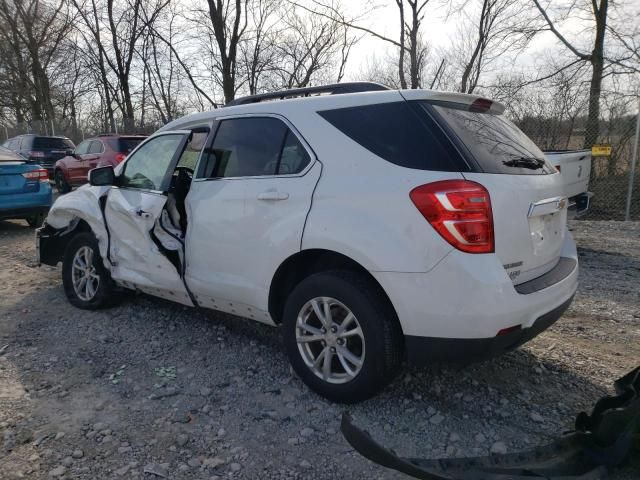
(100, 151)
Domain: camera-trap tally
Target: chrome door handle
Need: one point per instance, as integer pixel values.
(273, 195)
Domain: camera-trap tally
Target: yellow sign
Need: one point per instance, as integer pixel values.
(601, 150)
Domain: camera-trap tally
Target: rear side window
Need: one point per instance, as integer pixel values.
(399, 134)
(124, 144)
(52, 143)
(255, 146)
(495, 142)
(96, 147)
(82, 148)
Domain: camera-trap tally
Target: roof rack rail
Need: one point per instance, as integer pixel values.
(332, 89)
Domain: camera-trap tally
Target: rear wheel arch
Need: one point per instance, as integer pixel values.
(306, 263)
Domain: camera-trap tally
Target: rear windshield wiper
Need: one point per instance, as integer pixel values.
(525, 162)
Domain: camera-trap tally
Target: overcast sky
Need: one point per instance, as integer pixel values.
(438, 30)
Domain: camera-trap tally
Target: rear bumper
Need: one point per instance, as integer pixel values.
(425, 350)
(468, 299)
(25, 205)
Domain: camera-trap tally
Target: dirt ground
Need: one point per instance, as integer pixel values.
(150, 390)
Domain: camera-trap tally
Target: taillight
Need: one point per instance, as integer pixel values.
(480, 105)
(36, 154)
(120, 157)
(41, 174)
(460, 211)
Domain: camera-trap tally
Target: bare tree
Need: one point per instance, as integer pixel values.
(599, 11)
(116, 36)
(161, 69)
(410, 43)
(258, 48)
(228, 23)
(32, 34)
(310, 45)
(495, 30)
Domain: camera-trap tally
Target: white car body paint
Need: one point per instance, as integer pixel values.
(82, 204)
(130, 215)
(352, 202)
(244, 238)
(575, 170)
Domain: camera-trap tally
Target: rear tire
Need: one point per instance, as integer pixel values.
(361, 363)
(87, 283)
(61, 183)
(36, 221)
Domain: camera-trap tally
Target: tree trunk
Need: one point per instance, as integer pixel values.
(597, 62)
(401, 76)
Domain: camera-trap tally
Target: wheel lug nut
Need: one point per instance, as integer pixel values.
(333, 349)
(334, 329)
(323, 343)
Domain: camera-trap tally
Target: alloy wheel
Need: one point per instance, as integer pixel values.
(83, 274)
(330, 340)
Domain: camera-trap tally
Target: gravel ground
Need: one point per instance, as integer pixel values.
(151, 386)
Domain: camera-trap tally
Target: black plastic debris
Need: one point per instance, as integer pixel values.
(601, 440)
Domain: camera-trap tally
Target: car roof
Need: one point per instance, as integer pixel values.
(39, 136)
(7, 155)
(314, 103)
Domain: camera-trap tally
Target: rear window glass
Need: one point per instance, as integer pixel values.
(7, 155)
(124, 144)
(495, 142)
(52, 143)
(399, 134)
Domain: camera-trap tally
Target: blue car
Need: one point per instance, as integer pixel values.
(25, 192)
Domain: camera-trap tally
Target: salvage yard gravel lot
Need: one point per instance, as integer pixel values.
(153, 390)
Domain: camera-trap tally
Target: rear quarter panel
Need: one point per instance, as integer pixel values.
(361, 206)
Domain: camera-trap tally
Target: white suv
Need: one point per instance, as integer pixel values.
(370, 224)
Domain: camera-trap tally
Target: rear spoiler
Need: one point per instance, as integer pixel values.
(472, 103)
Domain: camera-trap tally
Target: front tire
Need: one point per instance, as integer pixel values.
(87, 283)
(342, 336)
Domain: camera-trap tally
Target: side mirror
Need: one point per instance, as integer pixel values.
(102, 176)
(70, 152)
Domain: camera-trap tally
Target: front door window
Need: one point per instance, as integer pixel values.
(147, 168)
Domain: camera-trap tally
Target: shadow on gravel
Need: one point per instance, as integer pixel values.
(582, 251)
(151, 370)
(146, 333)
(14, 226)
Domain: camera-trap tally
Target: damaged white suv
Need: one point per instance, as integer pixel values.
(371, 224)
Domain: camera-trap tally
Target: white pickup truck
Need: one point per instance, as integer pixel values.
(575, 168)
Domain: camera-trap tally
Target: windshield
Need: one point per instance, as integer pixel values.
(496, 143)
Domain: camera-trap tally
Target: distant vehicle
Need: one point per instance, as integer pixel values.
(100, 151)
(44, 151)
(372, 225)
(25, 192)
(575, 170)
